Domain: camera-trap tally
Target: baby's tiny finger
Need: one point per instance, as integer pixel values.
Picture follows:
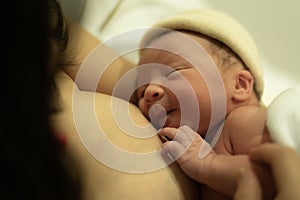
(189, 132)
(168, 133)
(183, 138)
(171, 151)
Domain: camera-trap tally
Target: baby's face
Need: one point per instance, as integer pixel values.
(171, 87)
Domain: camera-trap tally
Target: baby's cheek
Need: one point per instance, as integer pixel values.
(140, 104)
(143, 107)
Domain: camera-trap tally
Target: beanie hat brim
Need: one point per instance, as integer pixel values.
(220, 27)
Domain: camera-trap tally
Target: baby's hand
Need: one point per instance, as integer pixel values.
(188, 148)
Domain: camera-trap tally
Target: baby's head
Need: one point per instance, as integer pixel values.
(224, 41)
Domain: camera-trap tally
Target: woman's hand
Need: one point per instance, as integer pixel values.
(284, 162)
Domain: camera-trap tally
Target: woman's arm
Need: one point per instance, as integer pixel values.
(81, 43)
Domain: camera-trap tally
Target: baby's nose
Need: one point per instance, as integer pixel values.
(153, 93)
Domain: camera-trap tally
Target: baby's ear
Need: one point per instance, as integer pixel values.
(243, 89)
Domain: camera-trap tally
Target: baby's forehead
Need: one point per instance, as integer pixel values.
(174, 43)
(178, 48)
(176, 39)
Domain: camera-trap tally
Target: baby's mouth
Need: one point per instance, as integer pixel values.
(165, 121)
(159, 116)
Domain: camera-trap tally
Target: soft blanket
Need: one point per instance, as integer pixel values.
(283, 118)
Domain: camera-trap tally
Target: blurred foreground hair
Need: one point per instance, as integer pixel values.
(34, 164)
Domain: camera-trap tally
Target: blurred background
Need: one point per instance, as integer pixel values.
(274, 26)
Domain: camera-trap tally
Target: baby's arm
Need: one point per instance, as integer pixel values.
(218, 171)
(285, 171)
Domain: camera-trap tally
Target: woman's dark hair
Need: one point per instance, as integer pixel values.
(34, 164)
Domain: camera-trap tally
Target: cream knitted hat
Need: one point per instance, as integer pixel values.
(220, 27)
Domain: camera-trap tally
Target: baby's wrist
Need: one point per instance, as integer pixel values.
(206, 165)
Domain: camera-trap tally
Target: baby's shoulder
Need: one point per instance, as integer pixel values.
(244, 115)
(246, 127)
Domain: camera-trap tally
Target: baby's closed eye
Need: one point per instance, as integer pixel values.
(174, 71)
